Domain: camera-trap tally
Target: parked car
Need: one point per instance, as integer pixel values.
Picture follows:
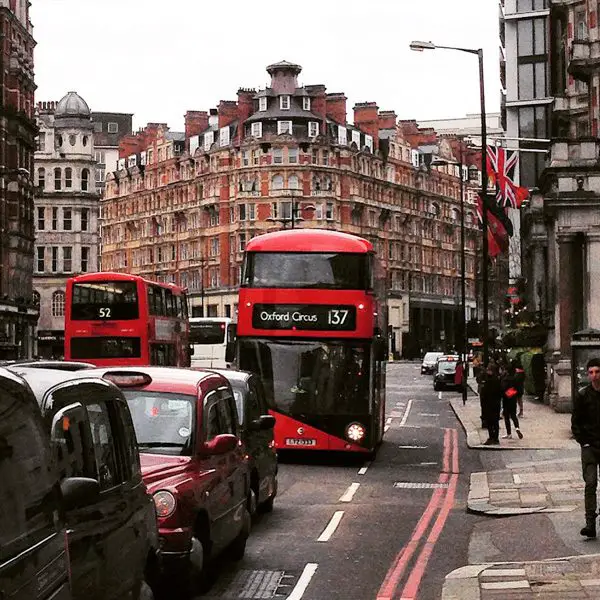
(194, 464)
(256, 430)
(446, 370)
(33, 547)
(113, 536)
(61, 365)
(429, 362)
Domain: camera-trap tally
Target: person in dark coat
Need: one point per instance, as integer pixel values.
(491, 402)
(520, 375)
(510, 394)
(585, 425)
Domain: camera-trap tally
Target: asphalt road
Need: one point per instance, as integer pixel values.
(349, 530)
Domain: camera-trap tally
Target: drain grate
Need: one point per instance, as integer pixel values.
(411, 485)
(254, 585)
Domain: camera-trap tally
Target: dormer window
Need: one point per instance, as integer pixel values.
(306, 103)
(256, 130)
(284, 102)
(284, 127)
(262, 103)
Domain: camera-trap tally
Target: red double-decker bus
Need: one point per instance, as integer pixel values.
(307, 326)
(120, 319)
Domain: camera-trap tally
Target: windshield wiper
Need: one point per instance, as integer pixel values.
(160, 445)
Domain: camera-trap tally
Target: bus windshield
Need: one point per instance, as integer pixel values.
(207, 332)
(311, 377)
(105, 300)
(305, 270)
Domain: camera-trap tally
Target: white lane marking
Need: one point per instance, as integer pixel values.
(412, 447)
(385, 429)
(331, 526)
(388, 421)
(406, 413)
(440, 396)
(349, 493)
(429, 414)
(309, 570)
(363, 470)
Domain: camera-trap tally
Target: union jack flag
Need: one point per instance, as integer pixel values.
(501, 165)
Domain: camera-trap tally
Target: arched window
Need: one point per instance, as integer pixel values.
(58, 304)
(434, 209)
(36, 298)
(72, 139)
(57, 178)
(277, 182)
(293, 182)
(85, 178)
(42, 177)
(84, 140)
(68, 178)
(455, 214)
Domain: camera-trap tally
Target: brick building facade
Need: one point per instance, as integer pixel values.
(181, 206)
(18, 305)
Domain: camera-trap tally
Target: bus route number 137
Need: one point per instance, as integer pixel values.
(104, 313)
(337, 316)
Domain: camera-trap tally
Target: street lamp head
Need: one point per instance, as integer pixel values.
(419, 46)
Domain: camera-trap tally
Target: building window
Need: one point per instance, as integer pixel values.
(313, 129)
(85, 259)
(284, 102)
(41, 142)
(242, 212)
(100, 157)
(113, 128)
(224, 137)
(293, 182)
(57, 179)
(325, 158)
(55, 219)
(85, 177)
(306, 103)
(85, 215)
(67, 259)
(245, 158)
(41, 218)
(214, 246)
(242, 242)
(41, 178)
(293, 156)
(256, 130)
(284, 127)
(277, 156)
(58, 304)
(252, 211)
(262, 104)
(100, 175)
(67, 219)
(84, 140)
(68, 178)
(329, 211)
(54, 259)
(277, 182)
(41, 259)
(72, 139)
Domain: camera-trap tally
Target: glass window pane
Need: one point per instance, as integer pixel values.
(540, 36)
(524, 5)
(541, 120)
(525, 82)
(526, 123)
(525, 37)
(527, 171)
(540, 80)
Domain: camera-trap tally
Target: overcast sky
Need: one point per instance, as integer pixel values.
(158, 59)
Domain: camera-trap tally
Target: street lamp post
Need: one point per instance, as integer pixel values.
(419, 46)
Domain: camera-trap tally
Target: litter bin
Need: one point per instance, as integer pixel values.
(585, 344)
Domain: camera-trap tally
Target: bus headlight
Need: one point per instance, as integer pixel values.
(355, 432)
(165, 503)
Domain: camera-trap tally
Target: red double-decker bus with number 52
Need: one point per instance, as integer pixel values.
(307, 325)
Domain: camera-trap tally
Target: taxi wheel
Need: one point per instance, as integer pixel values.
(267, 505)
(199, 579)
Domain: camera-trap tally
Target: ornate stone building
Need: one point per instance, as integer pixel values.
(18, 309)
(182, 206)
(66, 211)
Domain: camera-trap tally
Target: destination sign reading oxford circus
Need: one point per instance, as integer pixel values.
(320, 317)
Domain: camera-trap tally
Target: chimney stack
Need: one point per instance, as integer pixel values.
(336, 108)
(366, 118)
(196, 121)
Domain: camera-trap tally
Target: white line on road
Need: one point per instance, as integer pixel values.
(440, 396)
(309, 570)
(349, 493)
(406, 413)
(363, 470)
(429, 414)
(331, 526)
(423, 447)
(388, 421)
(385, 429)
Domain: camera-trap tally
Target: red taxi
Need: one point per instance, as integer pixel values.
(193, 464)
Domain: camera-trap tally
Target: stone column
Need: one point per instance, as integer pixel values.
(566, 259)
(593, 287)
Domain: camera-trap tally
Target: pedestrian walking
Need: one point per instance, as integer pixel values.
(520, 375)
(585, 425)
(510, 394)
(459, 375)
(491, 401)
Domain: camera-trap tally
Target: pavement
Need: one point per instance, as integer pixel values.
(528, 484)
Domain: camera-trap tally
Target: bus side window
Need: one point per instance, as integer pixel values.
(169, 312)
(151, 303)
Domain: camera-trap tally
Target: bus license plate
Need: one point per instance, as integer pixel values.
(300, 442)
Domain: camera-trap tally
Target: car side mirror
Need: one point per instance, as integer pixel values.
(78, 492)
(191, 350)
(263, 423)
(221, 444)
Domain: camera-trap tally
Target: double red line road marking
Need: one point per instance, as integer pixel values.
(441, 502)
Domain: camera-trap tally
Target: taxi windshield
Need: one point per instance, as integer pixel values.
(164, 422)
(447, 366)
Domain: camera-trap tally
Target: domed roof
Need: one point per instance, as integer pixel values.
(72, 105)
